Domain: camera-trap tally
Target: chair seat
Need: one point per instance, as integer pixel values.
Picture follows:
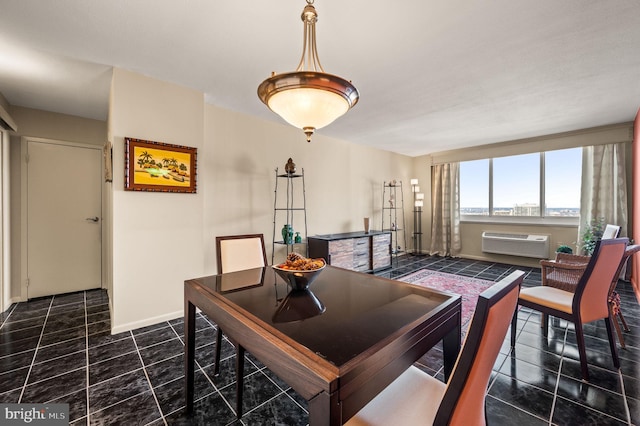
(414, 396)
(549, 296)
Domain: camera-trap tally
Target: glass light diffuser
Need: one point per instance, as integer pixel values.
(308, 107)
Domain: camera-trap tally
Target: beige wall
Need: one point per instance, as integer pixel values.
(472, 240)
(159, 240)
(156, 237)
(343, 181)
(3, 102)
(615, 133)
(51, 125)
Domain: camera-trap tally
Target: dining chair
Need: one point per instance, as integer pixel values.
(614, 297)
(416, 398)
(236, 253)
(610, 231)
(566, 270)
(589, 301)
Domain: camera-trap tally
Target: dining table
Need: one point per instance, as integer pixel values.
(337, 343)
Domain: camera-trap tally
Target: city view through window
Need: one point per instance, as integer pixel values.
(518, 188)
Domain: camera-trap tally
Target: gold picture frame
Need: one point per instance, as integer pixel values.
(159, 167)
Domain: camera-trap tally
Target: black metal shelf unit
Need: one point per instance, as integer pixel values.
(393, 216)
(293, 211)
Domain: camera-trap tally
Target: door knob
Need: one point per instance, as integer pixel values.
(93, 219)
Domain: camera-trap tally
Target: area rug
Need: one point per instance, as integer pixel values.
(468, 288)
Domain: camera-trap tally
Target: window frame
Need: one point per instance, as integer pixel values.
(542, 219)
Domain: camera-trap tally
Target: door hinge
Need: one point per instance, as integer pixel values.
(28, 282)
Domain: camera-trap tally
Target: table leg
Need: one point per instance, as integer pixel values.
(451, 348)
(325, 410)
(239, 379)
(189, 353)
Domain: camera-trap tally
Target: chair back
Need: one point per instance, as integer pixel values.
(610, 231)
(592, 292)
(463, 402)
(240, 252)
(628, 253)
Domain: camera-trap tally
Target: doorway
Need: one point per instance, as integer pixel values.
(5, 249)
(62, 187)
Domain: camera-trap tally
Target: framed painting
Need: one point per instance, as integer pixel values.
(159, 167)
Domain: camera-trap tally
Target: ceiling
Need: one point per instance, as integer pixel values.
(432, 75)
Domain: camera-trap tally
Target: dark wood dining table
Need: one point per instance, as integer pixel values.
(338, 344)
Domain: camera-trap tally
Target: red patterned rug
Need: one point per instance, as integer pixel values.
(468, 288)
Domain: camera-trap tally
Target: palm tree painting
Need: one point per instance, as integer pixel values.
(155, 166)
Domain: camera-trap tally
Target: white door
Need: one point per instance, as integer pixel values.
(63, 218)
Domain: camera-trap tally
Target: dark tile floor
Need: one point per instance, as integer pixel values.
(59, 349)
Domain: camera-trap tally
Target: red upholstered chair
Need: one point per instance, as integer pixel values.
(237, 253)
(588, 303)
(416, 398)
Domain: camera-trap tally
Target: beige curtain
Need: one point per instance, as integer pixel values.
(604, 186)
(445, 209)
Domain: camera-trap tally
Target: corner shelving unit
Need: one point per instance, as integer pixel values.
(393, 216)
(290, 213)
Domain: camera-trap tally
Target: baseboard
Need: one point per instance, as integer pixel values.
(145, 322)
(11, 301)
(509, 260)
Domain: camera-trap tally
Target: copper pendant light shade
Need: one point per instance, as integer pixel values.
(308, 98)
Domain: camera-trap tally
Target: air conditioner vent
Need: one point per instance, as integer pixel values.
(525, 245)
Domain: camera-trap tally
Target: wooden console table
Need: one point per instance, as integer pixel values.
(357, 251)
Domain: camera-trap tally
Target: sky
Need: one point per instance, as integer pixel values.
(516, 180)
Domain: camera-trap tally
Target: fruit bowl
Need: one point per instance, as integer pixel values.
(298, 279)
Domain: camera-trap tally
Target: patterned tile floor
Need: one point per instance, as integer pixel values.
(59, 349)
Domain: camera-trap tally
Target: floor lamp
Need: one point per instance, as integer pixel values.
(418, 203)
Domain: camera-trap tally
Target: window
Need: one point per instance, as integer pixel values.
(474, 188)
(563, 175)
(516, 186)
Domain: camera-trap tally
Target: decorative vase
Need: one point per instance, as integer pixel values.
(298, 238)
(366, 225)
(290, 167)
(287, 233)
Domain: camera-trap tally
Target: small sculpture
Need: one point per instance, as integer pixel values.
(290, 167)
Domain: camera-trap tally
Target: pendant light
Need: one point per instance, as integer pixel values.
(308, 98)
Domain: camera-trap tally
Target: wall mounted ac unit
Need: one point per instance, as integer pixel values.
(525, 245)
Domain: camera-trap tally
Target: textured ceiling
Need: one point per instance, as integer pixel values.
(432, 75)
